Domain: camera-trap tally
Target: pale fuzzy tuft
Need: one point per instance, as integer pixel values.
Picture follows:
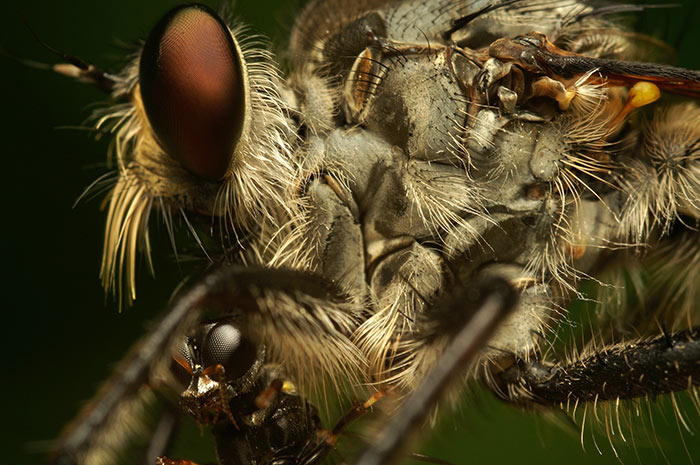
(583, 129)
(319, 99)
(675, 280)
(662, 182)
(445, 200)
(261, 178)
(310, 338)
(386, 337)
(126, 231)
(551, 260)
(650, 289)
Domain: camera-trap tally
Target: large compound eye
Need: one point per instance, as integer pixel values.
(192, 86)
(225, 345)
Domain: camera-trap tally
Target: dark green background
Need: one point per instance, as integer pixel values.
(61, 338)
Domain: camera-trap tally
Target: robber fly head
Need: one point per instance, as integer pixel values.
(203, 135)
(216, 362)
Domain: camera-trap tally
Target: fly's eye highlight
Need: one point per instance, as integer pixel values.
(225, 345)
(192, 86)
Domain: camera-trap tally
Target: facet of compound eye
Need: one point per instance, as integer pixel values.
(192, 86)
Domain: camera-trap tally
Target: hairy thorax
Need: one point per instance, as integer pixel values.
(425, 188)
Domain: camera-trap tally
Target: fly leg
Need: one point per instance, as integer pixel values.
(481, 308)
(647, 367)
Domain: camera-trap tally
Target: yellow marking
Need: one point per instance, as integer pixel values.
(643, 93)
(374, 398)
(564, 99)
(288, 387)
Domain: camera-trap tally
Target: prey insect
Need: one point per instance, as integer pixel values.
(255, 413)
(417, 154)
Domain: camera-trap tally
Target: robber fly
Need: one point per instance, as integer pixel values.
(536, 89)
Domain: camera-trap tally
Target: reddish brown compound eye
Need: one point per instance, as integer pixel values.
(192, 86)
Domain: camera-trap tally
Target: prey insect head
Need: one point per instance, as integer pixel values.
(216, 362)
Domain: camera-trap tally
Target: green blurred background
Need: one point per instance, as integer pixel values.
(62, 337)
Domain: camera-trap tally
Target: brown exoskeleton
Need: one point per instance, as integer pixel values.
(418, 153)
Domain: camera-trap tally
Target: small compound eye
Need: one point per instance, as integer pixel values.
(183, 363)
(226, 346)
(192, 87)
